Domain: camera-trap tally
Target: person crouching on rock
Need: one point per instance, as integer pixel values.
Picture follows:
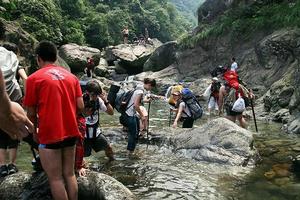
(183, 112)
(95, 101)
(53, 97)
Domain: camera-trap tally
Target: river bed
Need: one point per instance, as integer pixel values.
(156, 172)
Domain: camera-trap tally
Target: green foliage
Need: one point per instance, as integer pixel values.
(244, 22)
(97, 23)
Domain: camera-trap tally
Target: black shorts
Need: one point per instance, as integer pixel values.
(97, 144)
(229, 112)
(6, 142)
(69, 142)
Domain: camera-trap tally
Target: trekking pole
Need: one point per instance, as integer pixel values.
(149, 106)
(254, 117)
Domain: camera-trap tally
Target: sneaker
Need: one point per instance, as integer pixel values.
(3, 171)
(11, 168)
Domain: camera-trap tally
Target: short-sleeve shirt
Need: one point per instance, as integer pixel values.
(234, 66)
(54, 92)
(93, 120)
(186, 111)
(138, 91)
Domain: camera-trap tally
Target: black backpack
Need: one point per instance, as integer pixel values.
(192, 103)
(215, 87)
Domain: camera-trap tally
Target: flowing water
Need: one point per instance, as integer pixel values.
(156, 172)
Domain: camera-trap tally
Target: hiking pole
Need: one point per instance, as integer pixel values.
(149, 106)
(170, 117)
(253, 112)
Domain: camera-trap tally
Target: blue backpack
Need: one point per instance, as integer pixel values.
(192, 103)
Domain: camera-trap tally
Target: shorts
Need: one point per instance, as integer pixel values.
(213, 104)
(6, 142)
(229, 112)
(69, 142)
(97, 144)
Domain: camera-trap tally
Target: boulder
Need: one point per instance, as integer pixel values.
(76, 56)
(62, 63)
(101, 71)
(219, 141)
(283, 116)
(132, 57)
(35, 187)
(162, 57)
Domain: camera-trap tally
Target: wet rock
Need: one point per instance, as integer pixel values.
(76, 56)
(101, 71)
(162, 57)
(283, 116)
(35, 187)
(219, 141)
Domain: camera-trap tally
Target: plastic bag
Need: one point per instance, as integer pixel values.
(239, 105)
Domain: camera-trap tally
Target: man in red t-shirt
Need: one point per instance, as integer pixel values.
(53, 97)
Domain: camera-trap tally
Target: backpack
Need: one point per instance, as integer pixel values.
(215, 87)
(192, 103)
(122, 100)
(218, 71)
(233, 94)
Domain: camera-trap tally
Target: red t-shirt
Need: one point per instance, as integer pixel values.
(54, 92)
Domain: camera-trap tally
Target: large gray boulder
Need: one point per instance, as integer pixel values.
(162, 57)
(95, 186)
(219, 141)
(76, 56)
(132, 57)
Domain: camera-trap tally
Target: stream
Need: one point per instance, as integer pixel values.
(156, 172)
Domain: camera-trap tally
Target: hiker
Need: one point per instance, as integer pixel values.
(95, 101)
(10, 67)
(89, 70)
(229, 94)
(183, 112)
(142, 40)
(125, 33)
(53, 97)
(212, 92)
(171, 90)
(234, 65)
(132, 109)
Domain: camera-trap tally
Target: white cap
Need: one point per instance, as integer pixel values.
(215, 79)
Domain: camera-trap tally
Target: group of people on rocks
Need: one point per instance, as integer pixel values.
(142, 39)
(62, 119)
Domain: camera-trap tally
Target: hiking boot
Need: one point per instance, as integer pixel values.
(3, 171)
(11, 169)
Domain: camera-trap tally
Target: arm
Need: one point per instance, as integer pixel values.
(24, 77)
(32, 115)
(221, 99)
(137, 104)
(80, 105)
(178, 116)
(110, 109)
(12, 116)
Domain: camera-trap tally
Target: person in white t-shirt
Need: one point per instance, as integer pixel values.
(134, 109)
(234, 65)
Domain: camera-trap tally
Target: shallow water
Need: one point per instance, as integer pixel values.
(156, 172)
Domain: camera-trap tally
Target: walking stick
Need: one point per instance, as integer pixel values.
(254, 117)
(149, 106)
(170, 117)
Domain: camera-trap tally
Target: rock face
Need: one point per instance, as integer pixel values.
(94, 186)
(132, 57)
(76, 56)
(220, 141)
(162, 57)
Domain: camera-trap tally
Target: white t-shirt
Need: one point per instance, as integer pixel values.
(186, 111)
(234, 66)
(138, 91)
(94, 118)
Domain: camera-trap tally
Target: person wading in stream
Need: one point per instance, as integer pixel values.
(53, 97)
(134, 109)
(95, 101)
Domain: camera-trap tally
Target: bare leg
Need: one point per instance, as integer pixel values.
(52, 164)
(109, 153)
(2, 157)
(68, 172)
(13, 155)
(242, 121)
